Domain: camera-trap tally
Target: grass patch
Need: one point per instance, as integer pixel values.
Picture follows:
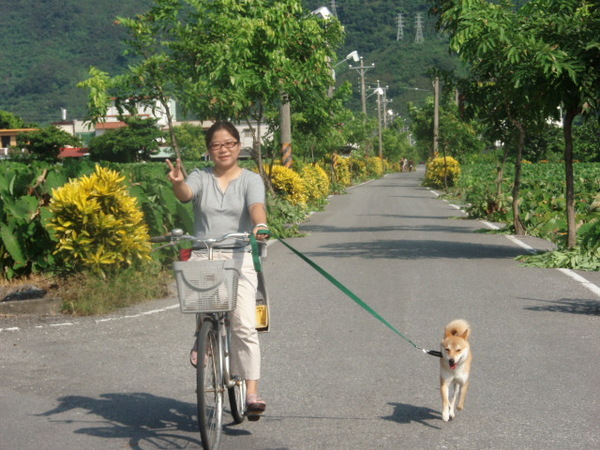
(87, 294)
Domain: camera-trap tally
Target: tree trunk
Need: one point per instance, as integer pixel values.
(569, 183)
(165, 104)
(500, 175)
(519, 227)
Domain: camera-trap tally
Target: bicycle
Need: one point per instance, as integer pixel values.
(208, 288)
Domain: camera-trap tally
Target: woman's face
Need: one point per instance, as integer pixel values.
(224, 149)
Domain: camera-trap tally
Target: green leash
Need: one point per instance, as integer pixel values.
(356, 299)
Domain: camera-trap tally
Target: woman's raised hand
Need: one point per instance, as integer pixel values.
(175, 174)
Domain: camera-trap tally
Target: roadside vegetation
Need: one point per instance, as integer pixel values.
(84, 227)
(495, 149)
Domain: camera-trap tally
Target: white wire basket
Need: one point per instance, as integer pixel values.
(206, 286)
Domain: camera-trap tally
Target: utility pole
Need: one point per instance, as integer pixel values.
(286, 131)
(419, 36)
(384, 102)
(380, 93)
(436, 115)
(361, 70)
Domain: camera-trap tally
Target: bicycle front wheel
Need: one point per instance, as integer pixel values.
(209, 387)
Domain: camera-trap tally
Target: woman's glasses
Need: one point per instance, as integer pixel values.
(217, 145)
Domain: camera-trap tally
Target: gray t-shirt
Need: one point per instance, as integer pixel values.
(217, 213)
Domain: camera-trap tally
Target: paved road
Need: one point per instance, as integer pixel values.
(333, 376)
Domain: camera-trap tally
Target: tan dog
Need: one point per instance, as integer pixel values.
(455, 365)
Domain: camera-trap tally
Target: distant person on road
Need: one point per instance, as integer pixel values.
(230, 199)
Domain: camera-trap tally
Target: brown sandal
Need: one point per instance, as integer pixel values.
(254, 407)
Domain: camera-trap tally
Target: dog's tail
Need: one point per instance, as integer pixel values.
(459, 327)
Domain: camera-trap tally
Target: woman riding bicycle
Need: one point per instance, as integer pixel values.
(230, 199)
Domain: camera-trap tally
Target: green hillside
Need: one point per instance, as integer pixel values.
(47, 47)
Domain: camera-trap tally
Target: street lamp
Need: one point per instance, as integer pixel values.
(323, 11)
(350, 56)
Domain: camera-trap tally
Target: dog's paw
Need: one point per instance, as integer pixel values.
(445, 416)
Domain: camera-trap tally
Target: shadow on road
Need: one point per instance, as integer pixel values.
(146, 420)
(416, 249)
(407, 414)
(567, 305)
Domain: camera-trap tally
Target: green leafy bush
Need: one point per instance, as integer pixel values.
(99, 226)
(25, 245)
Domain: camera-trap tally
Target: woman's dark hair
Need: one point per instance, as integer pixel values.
(222, 125)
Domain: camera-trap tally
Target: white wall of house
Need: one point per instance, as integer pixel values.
(156, 111)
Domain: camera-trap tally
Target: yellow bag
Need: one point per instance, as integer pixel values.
(262, 318)
(262, 305)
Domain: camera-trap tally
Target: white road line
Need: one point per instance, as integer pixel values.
(521, 244)
(585, 283)
(490, 225)
(568, 272)
(108, 319)
(9, 329)
(133, 316)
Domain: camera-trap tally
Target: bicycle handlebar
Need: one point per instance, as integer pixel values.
(178, 235)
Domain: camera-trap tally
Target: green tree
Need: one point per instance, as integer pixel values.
(238, 57)
(227, 59)
(9, 120)
(396, 145)
(191, 141)
(541, 56)
(457, 137)
(318, 122)
(132, 143)
(45, 144)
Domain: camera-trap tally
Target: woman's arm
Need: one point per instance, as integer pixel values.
(258, 214)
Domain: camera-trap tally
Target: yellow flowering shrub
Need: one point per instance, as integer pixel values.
(98, 225)
(359, 169)
(374, 166)
(316, 182)
(386, 166)
(343, 174)
(439, 167)
(288, 184)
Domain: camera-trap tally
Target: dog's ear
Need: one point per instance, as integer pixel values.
(465, 334)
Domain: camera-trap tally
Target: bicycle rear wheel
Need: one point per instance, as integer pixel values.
(237, 400)
(209, 387)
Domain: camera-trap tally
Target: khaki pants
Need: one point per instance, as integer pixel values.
(245, 348)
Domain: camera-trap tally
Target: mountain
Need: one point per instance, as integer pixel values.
(47, 47)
